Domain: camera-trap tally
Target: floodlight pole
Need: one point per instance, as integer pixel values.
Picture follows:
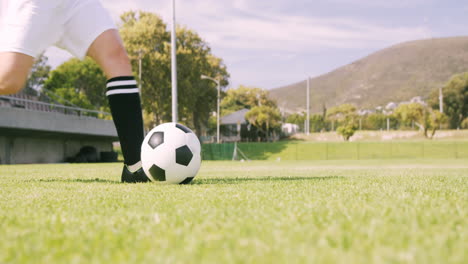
(218, 83)
(218, 113)
(308, 107)
(139, 71)
(441, 100)
(174, 64)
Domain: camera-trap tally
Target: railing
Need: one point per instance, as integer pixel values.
(17, 102)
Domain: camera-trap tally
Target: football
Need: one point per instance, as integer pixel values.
(170, 153)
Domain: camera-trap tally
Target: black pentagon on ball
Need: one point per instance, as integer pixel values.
(156, 139)
(187, 180)
(184, 155)
(184, 128)
(157, 173)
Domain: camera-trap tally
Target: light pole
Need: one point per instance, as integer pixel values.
(217, 105)
(387, 114)
(441, 100)
(308, 107)
(140, 52)
(174, 64)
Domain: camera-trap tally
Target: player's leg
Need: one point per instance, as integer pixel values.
(14, 70)
(25, 32)
(124, 100)
(108, 51)
(91, 31)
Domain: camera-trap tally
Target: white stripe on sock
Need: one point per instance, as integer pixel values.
(122, 91)
(133, 168)
(121, 83)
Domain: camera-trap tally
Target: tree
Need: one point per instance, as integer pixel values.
(297, 119)
(433, 121)
(375, 121)
(346, 130)
(347, 119)
(464, 124)
(455, 94)
(245, 97)
(265, 118)
(200, 96)
(427, 119)
(317, 123)
(146, 38)
(264, 114)
(39, 73)
(79, 83)
(409, 114)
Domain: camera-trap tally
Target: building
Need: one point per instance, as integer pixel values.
(32, 131)
(289, 129)
(232, 126)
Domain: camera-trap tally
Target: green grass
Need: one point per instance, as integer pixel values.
(386, 136)
(376, 211)
(294, 150)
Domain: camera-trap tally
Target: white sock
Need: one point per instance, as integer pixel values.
(133, 168)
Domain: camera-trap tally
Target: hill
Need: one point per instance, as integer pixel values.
(393, 74)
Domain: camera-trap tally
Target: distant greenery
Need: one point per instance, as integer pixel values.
(464, 124)
(455, 103)
(318, 122)
(82, 83)
(264, 118)
(264, 114)
(79, 83)
(38, 74)
(257, 212)
(378, 121)
(394, 74)
(427, 119)
(245, 97)
(347, 119)
(146, 37)
(297, 150)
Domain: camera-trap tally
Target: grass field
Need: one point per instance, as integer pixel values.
(294, 150)
(383, 135)
(374, 211)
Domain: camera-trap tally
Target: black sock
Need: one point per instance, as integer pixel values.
(125, 105)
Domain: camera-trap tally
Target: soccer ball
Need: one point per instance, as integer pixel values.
(170, 153)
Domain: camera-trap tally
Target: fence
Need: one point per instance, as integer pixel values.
(27, 103)
(340, 150)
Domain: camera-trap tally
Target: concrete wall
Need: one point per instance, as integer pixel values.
(27, 150)
(42, 137)
(3, 150)
(17, 118)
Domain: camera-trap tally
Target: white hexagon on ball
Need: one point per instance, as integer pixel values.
(171, 153)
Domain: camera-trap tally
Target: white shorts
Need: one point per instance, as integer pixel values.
(31, 26)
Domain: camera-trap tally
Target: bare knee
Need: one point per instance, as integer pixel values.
(115, 62)
(108, 51)
(118, 55)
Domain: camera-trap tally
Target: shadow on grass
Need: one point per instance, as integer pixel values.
(205, 181)
(96, 180)
(261, 179)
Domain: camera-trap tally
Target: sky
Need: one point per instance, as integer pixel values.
(272, 43)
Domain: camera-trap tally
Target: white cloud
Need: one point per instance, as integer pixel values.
(239, 25)
(384, 3)
(242, 29)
